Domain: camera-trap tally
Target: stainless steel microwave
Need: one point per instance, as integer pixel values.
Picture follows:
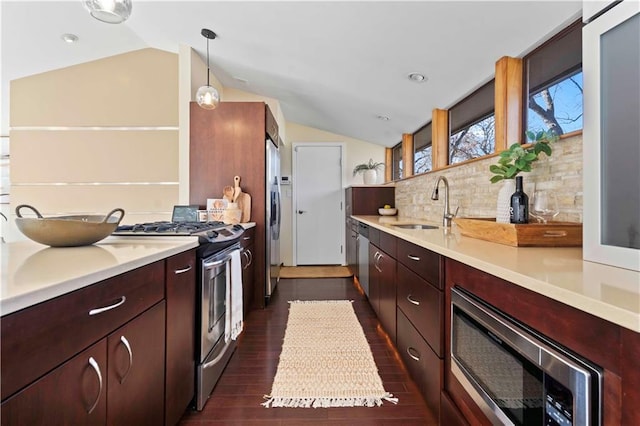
(517, 376)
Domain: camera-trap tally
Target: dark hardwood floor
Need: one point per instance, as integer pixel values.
(248, 377)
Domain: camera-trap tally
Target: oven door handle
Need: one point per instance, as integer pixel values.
(218, 358)
(216, 262)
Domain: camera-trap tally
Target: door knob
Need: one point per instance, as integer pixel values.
(301, 211)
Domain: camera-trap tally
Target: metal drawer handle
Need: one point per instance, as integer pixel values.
(250, 253)
(415, 302)
(412, 257)
(246, 255)
(126, 344)
(216, 263)
(414, 357)
(108, 308)
(94, 364)
(182, 271)
(246, 238)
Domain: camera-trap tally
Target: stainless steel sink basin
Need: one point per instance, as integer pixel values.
(415, 226)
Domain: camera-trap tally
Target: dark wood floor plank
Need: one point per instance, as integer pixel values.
(249, 375)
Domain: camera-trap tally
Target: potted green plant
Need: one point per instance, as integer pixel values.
(518, 159)
(369, 171)
(513, 161)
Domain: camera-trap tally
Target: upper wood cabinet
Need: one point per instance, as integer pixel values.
(272, 127)
(226, 142)
(366, 200)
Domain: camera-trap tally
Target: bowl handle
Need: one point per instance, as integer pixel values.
(29, 207)
(112, 212)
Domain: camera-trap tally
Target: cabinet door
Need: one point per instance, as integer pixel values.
(180, 328)
(135, 379)
(611, 70)
(72, 394)
(246, 257)
(374, 279)
(352, 249)
(387, 285)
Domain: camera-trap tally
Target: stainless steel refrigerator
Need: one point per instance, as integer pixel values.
(273, 219)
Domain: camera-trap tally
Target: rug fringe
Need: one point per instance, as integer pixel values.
(309, 302)
(327, 402)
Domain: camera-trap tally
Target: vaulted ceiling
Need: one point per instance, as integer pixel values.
(336, 66)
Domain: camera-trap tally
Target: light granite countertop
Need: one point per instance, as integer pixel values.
(558, 273)
(33, 273)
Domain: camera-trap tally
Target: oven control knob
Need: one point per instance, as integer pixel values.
(212, 234)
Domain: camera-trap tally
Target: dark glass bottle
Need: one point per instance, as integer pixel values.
(519, 204)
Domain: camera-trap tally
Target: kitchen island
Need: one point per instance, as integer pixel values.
(100, 334)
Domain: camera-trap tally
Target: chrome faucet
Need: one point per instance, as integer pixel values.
(447, 217)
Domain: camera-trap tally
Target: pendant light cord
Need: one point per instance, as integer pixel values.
(208, 62)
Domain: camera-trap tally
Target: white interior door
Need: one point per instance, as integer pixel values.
(319, 218)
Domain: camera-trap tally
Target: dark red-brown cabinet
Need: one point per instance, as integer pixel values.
(231, 141)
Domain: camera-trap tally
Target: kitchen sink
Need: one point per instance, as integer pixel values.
(415, 226)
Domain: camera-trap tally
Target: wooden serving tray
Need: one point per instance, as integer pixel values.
(552, 234)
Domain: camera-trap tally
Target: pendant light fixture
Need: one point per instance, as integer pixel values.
(207, 96)
(109, 11)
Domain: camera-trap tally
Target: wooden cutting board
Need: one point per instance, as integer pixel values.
(244, 204)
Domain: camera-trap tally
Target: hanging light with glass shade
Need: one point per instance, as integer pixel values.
(207, 96)
(109, 11)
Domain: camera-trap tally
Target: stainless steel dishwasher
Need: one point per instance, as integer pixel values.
(363, 256)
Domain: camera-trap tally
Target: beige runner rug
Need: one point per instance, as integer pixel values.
(326, 360)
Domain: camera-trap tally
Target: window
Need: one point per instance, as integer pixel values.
(554, 83)
(422, 150)
(472, 125)
(397, 162)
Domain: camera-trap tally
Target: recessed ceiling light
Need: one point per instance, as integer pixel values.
(69, 38)
(383, 117)
(417, 77)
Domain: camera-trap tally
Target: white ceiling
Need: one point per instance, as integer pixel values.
(334, 66)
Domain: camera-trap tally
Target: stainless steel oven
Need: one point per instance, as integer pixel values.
(516, 375)
(216, 346)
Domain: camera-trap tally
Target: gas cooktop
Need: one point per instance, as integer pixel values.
(207, 232)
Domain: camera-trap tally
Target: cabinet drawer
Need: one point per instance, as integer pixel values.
(424, 366)
(423, 262)
(374, 236)
(388, 244)
(423, 305)
(37, 339)
(248, 237)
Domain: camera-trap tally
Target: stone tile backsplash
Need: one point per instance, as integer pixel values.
(470, 189)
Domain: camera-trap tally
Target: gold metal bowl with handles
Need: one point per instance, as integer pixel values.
(67, 231)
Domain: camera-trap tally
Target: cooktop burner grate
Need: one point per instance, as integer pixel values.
(164, 227)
